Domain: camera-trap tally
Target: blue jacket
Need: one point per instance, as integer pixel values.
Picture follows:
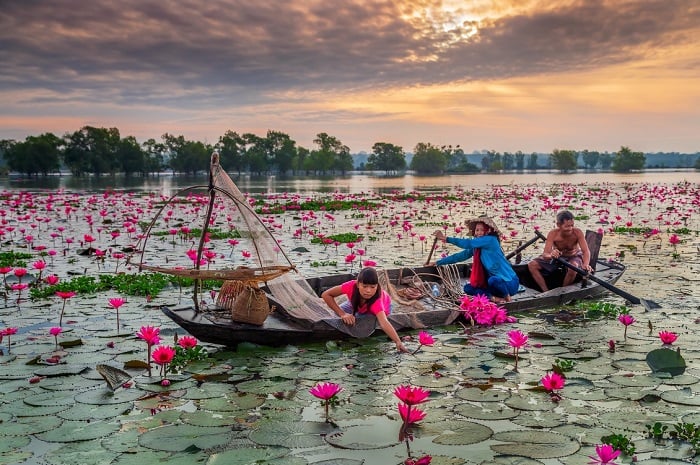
(491, 257)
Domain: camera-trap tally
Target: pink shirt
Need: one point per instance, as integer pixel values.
(382, 304)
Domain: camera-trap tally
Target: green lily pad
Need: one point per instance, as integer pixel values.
(489, 394)
(147, 456)
(104, 395)
(291, 433)
(682, 396)
(486, 411)
(85, 452)
(204, 418)
(232, 402)
(666, 360)
(82, 411)
(535, 444)
(181, 437)
(381, 433)
(246, 455)
(8, 443)
(75, 430)
(24, 426)
(461, 433)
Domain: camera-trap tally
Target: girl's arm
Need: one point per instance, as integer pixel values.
(329, 296)
(390, 331)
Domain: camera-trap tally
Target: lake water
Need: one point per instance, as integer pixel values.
(254, 406)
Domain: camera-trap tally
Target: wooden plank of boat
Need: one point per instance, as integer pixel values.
(278, 329)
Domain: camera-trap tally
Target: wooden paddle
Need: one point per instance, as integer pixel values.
(432, 249)
(522, 247)
(648, 304)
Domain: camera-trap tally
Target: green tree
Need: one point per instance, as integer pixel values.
(187, 156)
(532, 162)
(231, 148)
(386, 157)
(508, 161)
(130, 156)
(255, 153)
(519, 160)
(36, 155)
(590, 159)
(605, 160)
(92, 150)
(697, 163)
(428, 159)
(281, 150)
(329, 156)
(625, 161)
(154, 153)
(563, 160)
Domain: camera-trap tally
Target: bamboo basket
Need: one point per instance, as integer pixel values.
(248, 303)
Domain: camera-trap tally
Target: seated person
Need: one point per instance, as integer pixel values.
(365, 296)
(566, 242)
(492, 274)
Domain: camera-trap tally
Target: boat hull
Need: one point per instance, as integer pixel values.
(279, 329)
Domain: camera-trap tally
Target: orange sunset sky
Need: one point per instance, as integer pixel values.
(486, 75)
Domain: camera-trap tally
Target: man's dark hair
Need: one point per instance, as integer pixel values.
(564, 215)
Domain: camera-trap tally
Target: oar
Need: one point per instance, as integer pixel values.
(432, 249)
(522, 247)
(648, 304)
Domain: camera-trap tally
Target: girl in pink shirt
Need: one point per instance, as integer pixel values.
(365, 295)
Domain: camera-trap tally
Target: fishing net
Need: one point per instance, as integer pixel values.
(290, 291)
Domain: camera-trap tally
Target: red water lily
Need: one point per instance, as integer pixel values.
(626, 319)
(187, 342)
(668, 337)
(326, 392)
(411, 395)
(516, 339)
(410, 414)
(606, 454)
(115, 303)
(65, 295)
(149, 334)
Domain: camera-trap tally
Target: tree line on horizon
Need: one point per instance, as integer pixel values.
(98, 151)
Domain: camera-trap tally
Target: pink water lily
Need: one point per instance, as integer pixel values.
(626, 319)
(8, 332)
(187, 342)
(606, 454)
(55, 331)
(410, 414)
(326, 392)
(517, 339)
(552, 381)
(151, 336)
(667, 337)
(65, 295)
(411, 395)
(424, 339)
(163, 355)
(115, 303)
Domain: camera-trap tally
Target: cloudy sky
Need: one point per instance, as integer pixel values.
(504, 75)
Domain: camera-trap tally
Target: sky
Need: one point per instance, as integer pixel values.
(530, 75)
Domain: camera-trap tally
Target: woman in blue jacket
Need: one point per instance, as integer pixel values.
(492, 275)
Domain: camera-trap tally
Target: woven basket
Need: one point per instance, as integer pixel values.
(248, 304)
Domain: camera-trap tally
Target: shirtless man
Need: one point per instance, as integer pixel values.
(566, 242)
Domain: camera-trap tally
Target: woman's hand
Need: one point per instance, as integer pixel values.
(348, 319)
(439, 235)
(401, 348)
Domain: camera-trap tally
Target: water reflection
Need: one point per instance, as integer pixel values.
(356, 183)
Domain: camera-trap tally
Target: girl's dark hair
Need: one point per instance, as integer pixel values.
(366, 275)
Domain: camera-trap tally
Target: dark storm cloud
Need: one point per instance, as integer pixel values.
(154, 51)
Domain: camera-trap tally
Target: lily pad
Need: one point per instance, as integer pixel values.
(74, 430)
(147, 456)
(85, 452)
(535, 444)
(381, 433)
(291, 433)
(666, 360)
(486, 411)
(462, 433)
(181, 437)
(682, 396)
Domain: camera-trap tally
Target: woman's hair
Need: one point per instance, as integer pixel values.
(366, 275)
(490, 230)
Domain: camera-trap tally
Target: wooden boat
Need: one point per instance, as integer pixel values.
(280, 328)
(242, 310)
